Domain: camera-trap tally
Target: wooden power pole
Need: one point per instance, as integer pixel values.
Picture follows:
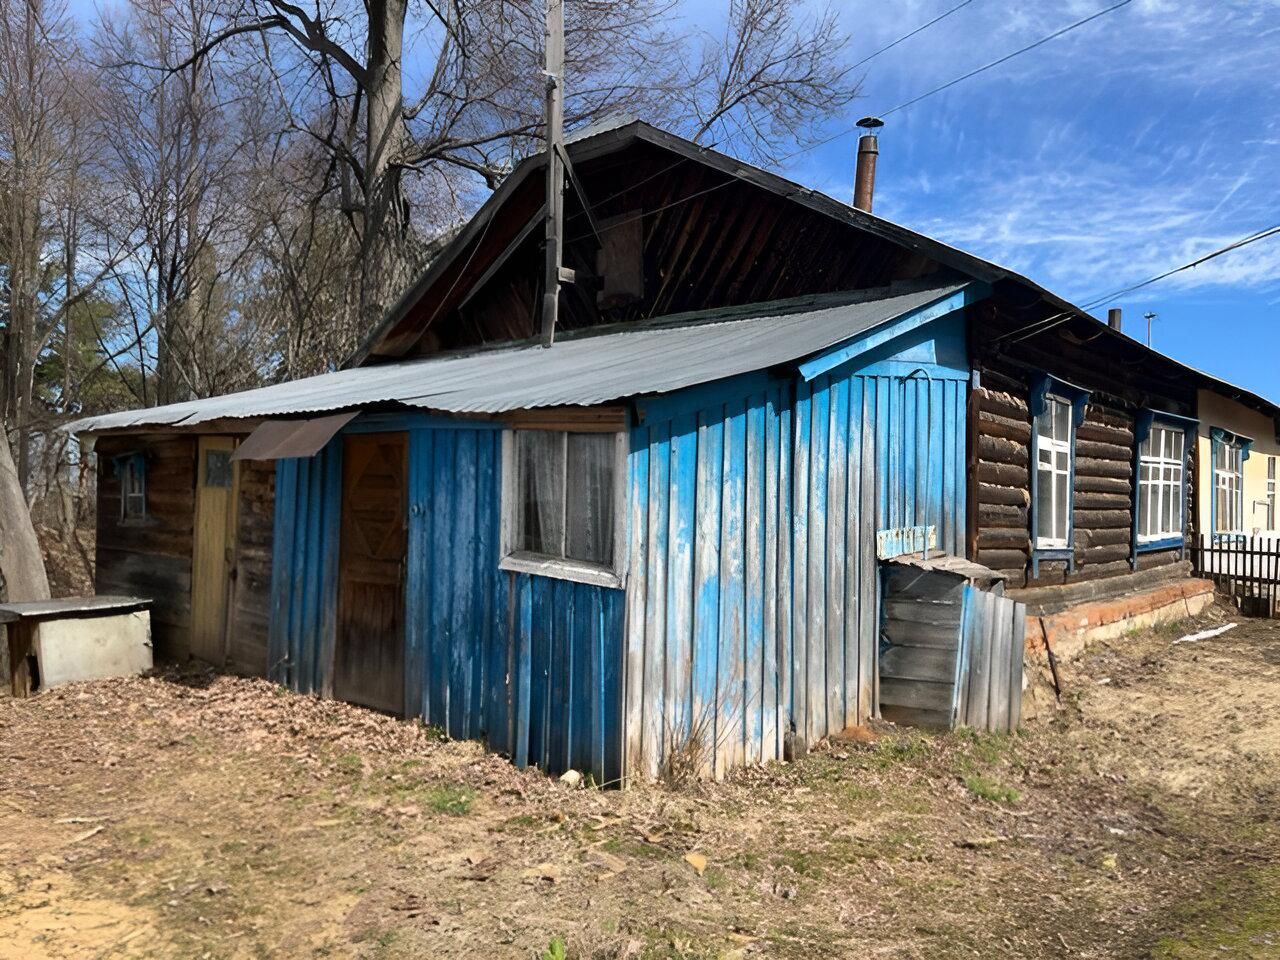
(555, 171)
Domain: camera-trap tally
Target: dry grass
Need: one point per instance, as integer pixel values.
(215, 817)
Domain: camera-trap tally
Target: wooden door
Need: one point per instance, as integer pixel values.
(214, 548)
(369, 646)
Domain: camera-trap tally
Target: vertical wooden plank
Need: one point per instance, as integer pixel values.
(681, 538)
(613, 661)
(281, 562)
(582, 690)
(523, 676)
(658, 482)
(1016, 661)
(815, 628)
(464, 543)
(980, 664)
(329, 521)
(756, 507)
(415, 574)
(561, 676)
(485, 573)
(707, 582)
(853, 572)
(540, 669)
(785, 573)
(771, 496)
(638, 588)
(1001, 636)
(910, 447)
(800, 514)
(596, 638)
(730, 689)
(439, 617)
(837, 551)
(969, 620)
(868, 583)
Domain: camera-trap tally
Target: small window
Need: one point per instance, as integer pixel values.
(561, 511)
(133, 486)
(1053, 474)
(1160, 490)
(1228, 487)
(1271, 493)
(217, 468)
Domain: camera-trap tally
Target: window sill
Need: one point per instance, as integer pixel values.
(1053, 553)
(1165, 543)
(556, 569)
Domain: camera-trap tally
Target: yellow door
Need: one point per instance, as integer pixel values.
(215, 525)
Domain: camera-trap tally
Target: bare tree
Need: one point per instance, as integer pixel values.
(22, 574)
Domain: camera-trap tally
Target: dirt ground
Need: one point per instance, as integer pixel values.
(200, 816)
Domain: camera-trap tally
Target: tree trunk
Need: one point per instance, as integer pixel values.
(22, 574)
(385, 215)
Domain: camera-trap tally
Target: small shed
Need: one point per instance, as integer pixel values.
(52, 642)
(951, 645)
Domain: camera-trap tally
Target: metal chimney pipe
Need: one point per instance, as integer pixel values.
(864, 181)
(1113, 318)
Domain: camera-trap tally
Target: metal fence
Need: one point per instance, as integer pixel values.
(1245, 568)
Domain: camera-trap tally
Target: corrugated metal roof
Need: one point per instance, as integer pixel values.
(577, 371)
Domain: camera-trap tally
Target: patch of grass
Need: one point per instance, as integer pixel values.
(637, 849)
(1239, 918)
(433, 731)
(714, 878)
(985, 788)
(453, 801)
(520, 823)
(556, 950)
(350, 763)
(905, 749)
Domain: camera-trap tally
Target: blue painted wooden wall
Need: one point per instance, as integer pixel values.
(708, 579)
(530, 664)
(753, 590)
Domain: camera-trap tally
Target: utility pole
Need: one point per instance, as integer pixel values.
(1149, 316)
(555, 170)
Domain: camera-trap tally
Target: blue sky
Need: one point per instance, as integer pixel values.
(1131, 145)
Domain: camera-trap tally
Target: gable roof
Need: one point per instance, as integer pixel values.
(580, 370)
(617, 133)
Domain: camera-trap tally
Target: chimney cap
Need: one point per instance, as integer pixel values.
(870, 124)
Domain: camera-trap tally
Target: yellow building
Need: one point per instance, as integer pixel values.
(1237, 458)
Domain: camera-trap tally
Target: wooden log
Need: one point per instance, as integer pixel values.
(1002, 515)
(1103, 451)
(1107, 537)
(1103, 554)
(1094, 571)
(1114, 485)
(1003, 404)
(1012, 496)
(1004, 538)
(1159, 558)
(1107, 416)
(1101, 433)
(1091, 467)
(1000, 450)
(1002, 474)
(993, 424)
(1003, 559)
(1102, 519)
(1089, 500)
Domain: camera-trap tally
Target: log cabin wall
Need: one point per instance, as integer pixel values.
(251, 584)
(150, 556)
(1122, 382)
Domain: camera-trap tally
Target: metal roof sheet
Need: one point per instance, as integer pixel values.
(581, 370)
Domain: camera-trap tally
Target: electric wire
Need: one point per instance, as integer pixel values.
(908, 36)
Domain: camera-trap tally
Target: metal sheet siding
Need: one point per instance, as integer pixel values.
(530, 664)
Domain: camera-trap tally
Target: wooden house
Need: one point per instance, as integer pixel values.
(659, 540)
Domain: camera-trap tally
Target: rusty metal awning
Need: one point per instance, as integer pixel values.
(283, 439)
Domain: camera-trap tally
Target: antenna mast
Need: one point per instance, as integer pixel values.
(555, 171)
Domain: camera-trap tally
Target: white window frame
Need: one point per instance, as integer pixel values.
(562, 568)
(1223, 480)
(1163, 487)
(1271, 492)
(1054, 446)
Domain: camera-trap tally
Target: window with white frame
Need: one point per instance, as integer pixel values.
(1228, 487)
(1160, 490)
(562, 503)
(1053, 474)
(1271, 493)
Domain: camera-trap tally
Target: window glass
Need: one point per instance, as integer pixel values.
(133, 487)
(1228, 487)
(564, 490)
(589, 504)
(217, 468)
(1053, 478)
(1160, 473)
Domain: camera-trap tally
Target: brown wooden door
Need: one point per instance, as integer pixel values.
(214, 547)
(369, 648)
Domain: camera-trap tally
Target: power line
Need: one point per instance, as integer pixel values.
(1048, 323)
(908, 36)
(1235, 245)
(1009, 56)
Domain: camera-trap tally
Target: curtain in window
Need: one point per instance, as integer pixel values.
(589, 499)
(540, 462)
